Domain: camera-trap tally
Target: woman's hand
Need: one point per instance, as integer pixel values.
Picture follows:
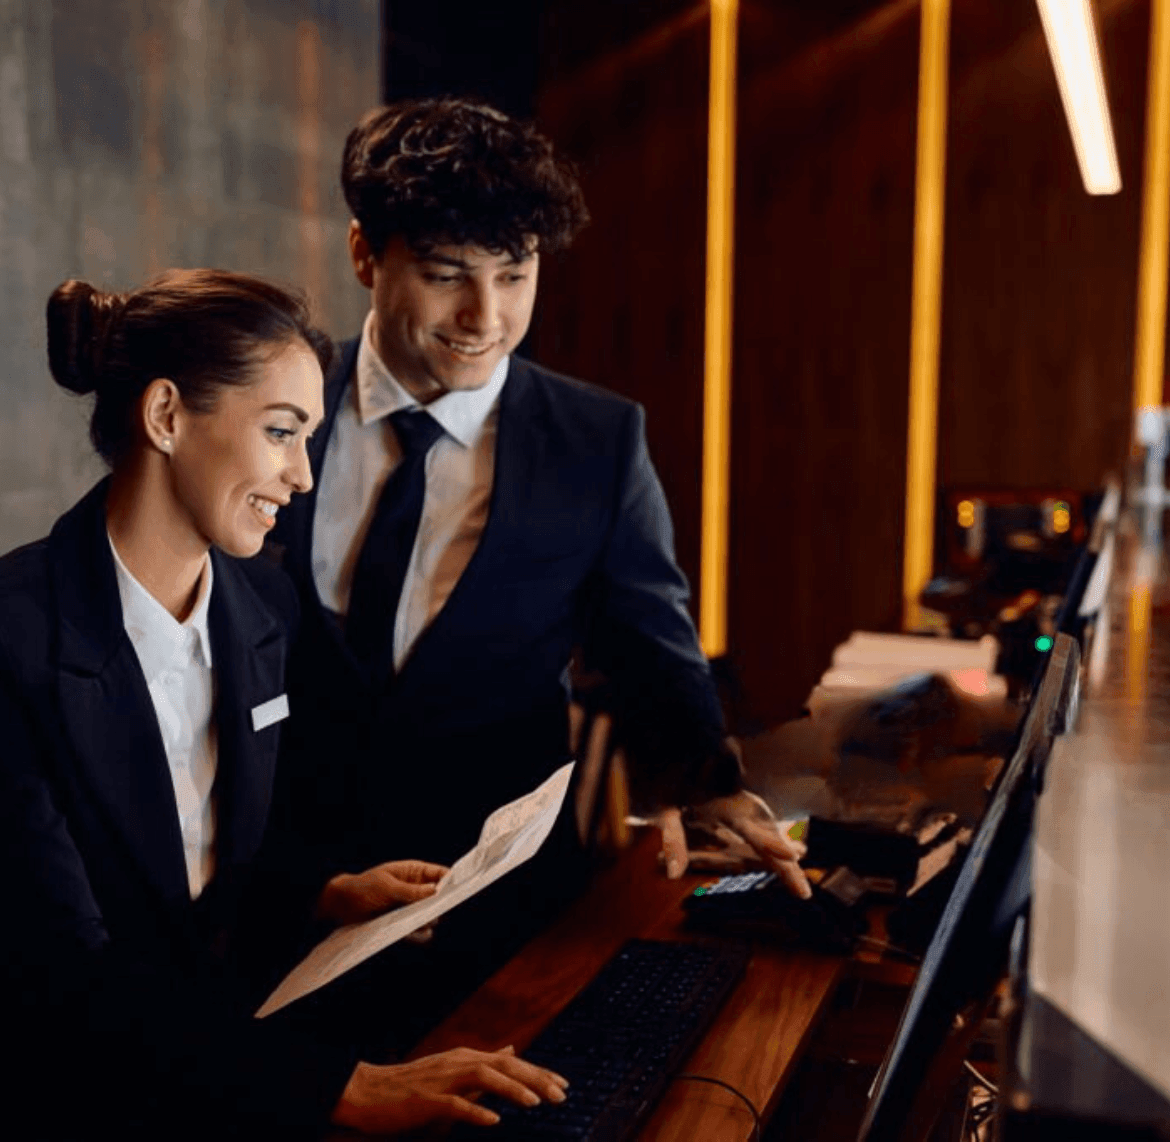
(443, 1087)
(351, 897)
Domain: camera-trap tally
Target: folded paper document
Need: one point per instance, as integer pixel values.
(509, 837)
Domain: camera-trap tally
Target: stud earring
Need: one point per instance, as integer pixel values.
(166, 443)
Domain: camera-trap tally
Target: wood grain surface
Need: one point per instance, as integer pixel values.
(753, 1044)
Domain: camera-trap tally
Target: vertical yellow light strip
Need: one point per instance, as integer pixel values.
(1150, 341)
(717, 362)
(926, 304)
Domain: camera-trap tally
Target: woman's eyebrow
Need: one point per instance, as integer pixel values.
(283, 406)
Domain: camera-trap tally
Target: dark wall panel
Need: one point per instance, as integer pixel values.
(1038, 290)
(1040, 280)
(624, 307)
(822, 312)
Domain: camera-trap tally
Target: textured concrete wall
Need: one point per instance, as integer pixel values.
(141, 134)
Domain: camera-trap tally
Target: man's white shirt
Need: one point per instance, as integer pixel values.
(176, 661)
(362, 453)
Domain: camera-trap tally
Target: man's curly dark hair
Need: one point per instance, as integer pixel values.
(457, 171)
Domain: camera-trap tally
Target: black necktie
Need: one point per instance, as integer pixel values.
(381, 566)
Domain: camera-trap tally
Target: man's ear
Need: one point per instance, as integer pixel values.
(160, 409)
(361, 255)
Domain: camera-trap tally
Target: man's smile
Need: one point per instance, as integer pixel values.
(466, 348)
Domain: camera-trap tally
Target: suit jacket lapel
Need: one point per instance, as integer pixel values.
(294, 529)
(248, 648)
(105, 704)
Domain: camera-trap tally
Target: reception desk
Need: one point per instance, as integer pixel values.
(754, 1043)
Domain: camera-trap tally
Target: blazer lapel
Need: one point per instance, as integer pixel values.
(248, 648)
(105, 704)
(294, 529)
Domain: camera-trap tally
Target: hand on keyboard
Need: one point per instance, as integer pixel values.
(442, 1088)
(623, 1037)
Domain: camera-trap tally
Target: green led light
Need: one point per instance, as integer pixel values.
(1043, 643)
(700, 892)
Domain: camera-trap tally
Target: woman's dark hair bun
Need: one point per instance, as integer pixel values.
(79, 319)
(203, 330)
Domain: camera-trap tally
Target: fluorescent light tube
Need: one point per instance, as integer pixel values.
(1072, 43)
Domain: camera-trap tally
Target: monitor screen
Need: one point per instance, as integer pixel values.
(968, 953)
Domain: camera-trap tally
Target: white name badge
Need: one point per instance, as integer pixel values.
(274, 710)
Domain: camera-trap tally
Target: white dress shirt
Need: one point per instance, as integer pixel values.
(361, 454)
(176, 660)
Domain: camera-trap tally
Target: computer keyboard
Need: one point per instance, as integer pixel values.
(622, 1038)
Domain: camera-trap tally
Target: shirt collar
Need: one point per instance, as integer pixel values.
(461, 415)
(159, 638)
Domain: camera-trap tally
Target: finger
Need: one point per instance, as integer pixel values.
(780, 852)
(390, 890)
(576, 725)
(703, 860)
(743, 805)
(462, 1109)
(423, 872)
(413, 871)
(598, 744)
(767, 840)
(794, 877)
(531, 1068)
(547, 1084)
(488, 1077)
(421, 935)
(674, 842)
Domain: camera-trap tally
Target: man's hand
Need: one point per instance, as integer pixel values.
(351, 897)
(441, 1088)
(750, 822)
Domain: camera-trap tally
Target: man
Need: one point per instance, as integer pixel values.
(522, 523)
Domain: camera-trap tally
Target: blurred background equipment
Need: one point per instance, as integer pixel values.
(1007, 559)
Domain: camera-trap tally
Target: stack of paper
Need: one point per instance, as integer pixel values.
(868, 663)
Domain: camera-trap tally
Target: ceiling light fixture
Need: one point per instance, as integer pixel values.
(1072, 43)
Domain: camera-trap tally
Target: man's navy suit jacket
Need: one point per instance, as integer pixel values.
(114, 985)
(576, 557)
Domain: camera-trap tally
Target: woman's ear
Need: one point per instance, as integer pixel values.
(160, 408)
(361, 255)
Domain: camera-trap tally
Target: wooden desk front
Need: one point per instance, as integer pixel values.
(753, 1044)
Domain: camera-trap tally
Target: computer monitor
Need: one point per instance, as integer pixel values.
(968, 953)
(1090, 575)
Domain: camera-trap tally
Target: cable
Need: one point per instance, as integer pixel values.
(886, 946)
(987, 1084)
(757, 1129)
(979, 1114)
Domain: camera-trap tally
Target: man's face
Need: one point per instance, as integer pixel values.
(445, 319)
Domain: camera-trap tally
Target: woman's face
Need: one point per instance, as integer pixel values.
(233, 468)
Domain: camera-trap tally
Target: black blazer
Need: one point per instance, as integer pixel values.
(577, 555)
(109, 970)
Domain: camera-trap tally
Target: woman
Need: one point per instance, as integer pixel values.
(141, 694)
